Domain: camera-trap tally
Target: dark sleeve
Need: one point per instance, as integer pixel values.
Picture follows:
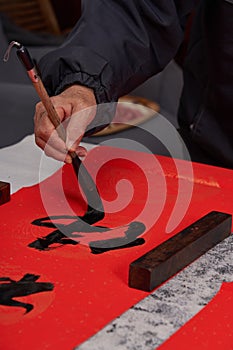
(116, 45)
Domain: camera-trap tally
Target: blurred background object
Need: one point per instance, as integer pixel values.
(36, 15)
(53, 17)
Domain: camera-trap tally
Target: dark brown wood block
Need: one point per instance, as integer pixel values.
(4, 192)
(164, 261)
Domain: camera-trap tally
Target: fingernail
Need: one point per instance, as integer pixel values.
(68, 160)
(82, 154)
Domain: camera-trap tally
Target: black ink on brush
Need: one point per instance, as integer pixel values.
(64, 233)
(95, 209)
(27, 285)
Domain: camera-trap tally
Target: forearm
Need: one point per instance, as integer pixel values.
(116, 45)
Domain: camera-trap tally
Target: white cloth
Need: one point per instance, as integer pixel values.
(20, 164)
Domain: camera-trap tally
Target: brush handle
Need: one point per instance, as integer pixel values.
(85, 179)
(52, 113)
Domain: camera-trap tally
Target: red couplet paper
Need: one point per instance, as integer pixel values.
(211, 328)
(70, 292)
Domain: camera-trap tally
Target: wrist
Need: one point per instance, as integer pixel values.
(80, 91)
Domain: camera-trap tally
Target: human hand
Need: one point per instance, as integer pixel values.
(77, 106)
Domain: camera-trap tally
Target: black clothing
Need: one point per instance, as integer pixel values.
(206, 106)
(118, 44)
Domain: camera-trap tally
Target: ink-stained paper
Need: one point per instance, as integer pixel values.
(61, 281)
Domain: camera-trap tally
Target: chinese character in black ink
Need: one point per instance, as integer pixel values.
(67, 234)
(27, 285)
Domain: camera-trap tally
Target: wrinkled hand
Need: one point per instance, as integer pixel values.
(76, 106)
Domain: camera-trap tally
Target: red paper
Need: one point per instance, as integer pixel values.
(90, 290)
(211, 328)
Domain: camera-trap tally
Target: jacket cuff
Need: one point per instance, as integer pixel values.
(68, 66)
(84, 79)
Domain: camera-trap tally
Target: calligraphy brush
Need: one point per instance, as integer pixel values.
(95, 210)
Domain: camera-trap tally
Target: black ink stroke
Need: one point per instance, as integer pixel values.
(65, 234)
(27, 285)
(134, 229)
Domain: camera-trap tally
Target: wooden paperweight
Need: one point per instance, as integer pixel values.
(4, 192)
(164, 261)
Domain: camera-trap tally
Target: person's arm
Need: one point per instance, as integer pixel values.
(115, 46)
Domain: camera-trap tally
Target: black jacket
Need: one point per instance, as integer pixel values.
(118, 44)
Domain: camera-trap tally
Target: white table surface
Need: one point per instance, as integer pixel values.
(20, 164)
